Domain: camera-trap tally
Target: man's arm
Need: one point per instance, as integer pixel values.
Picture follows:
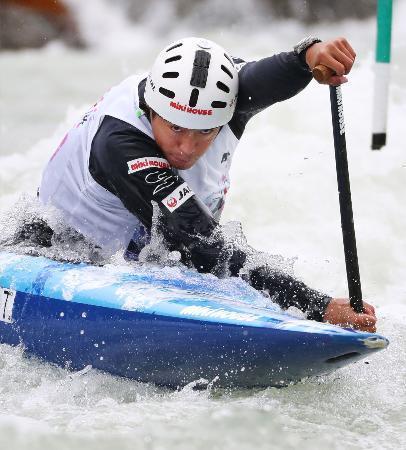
(280, 77)
(270, 80)
(265, 82)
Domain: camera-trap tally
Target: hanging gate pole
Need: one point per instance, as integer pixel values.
(382, 73)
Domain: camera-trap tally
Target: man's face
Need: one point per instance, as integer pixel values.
(182, 147)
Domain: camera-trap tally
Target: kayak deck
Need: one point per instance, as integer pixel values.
(166, 326)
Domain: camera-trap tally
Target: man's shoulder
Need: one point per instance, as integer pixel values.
(119, 137)
(118, 150)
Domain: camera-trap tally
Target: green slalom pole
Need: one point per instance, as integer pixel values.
(382, 73)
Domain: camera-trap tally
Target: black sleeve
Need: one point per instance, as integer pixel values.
(131, 166)
(288, 291)
(265, 82)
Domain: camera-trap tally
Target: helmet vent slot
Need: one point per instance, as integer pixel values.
(194, 97)
(223, 87)
(174, 46)
(200, 69)
(217, 104)
(231, 61)
(173, 58)
(170, 75)
(167, 92)
(227, 71)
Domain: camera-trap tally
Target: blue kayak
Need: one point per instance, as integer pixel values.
(168, 326)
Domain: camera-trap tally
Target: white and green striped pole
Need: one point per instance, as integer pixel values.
(382, 73)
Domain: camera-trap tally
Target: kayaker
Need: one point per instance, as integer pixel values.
(168, 138)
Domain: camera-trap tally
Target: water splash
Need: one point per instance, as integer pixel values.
(32, 228)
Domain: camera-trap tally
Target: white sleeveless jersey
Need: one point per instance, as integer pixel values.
(94, 211)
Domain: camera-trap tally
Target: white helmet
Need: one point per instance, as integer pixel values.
(193, 84)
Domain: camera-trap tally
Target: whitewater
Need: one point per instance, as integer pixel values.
(283, 191)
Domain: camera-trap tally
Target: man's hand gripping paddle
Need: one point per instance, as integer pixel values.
(321, 74)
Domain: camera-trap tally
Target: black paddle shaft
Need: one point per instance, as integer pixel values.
(344, 193)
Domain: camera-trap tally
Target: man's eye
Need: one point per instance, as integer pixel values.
(208, 131)
(175, 128)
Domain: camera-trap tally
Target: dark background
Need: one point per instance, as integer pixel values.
(34, 23)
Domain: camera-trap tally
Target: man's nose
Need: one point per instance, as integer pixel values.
(187, 143)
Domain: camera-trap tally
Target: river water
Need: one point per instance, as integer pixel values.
(284, 193)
